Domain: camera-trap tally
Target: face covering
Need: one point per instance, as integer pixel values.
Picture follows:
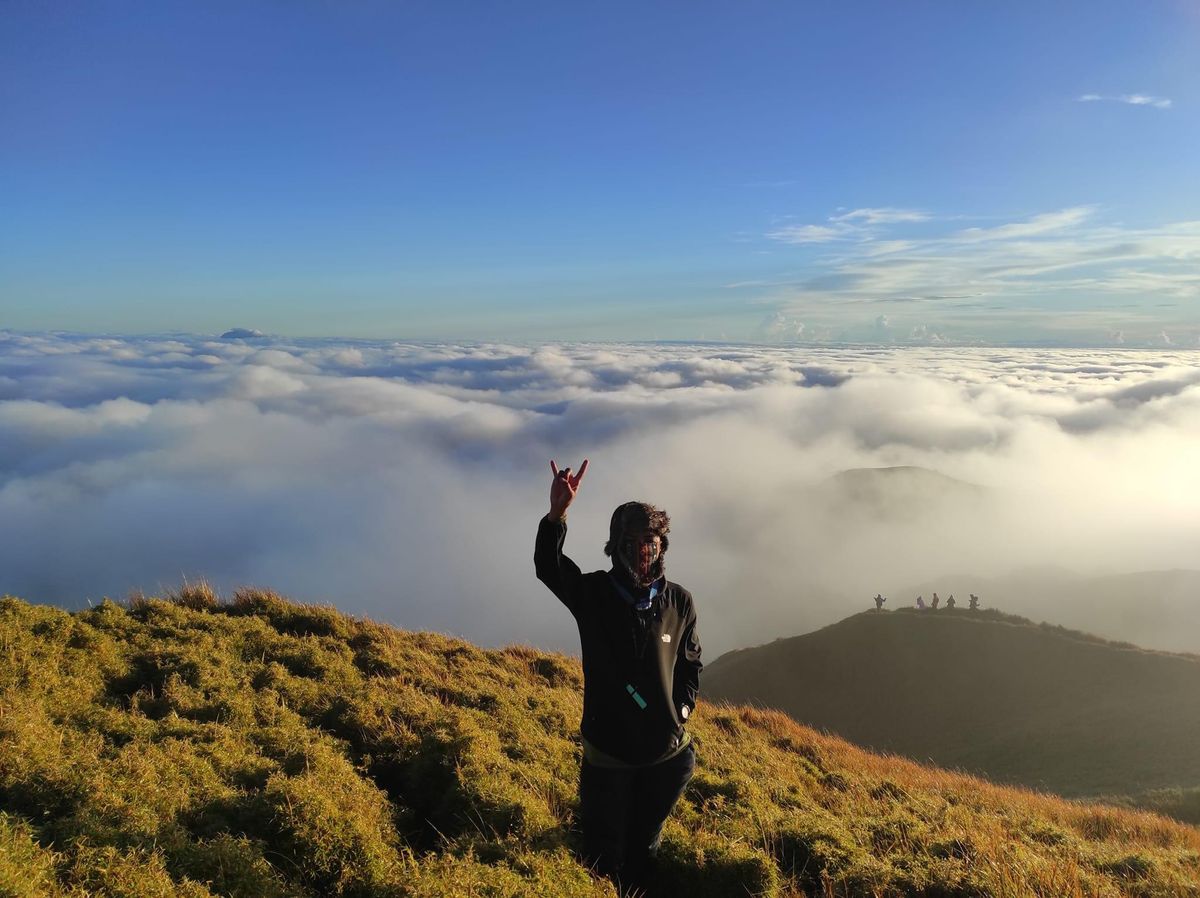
(638, 553)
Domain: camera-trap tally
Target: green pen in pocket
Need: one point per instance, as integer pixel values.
(641, 702)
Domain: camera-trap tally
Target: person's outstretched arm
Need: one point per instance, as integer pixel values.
(554, 568)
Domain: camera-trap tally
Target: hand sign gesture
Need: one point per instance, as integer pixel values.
(563, 488)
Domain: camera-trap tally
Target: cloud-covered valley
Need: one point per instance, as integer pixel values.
(404, 481)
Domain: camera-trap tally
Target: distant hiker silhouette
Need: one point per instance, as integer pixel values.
(921, 602)
(641, 678)
(935, 601)
(879, 600)
(950, 601)
(974, 606)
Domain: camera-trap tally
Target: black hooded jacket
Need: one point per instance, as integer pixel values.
(639, 668)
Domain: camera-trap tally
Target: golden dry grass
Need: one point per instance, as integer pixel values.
(262, 748)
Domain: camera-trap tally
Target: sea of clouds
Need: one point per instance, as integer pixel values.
(405, 481)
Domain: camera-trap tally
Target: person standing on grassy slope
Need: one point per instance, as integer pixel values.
(641, 679)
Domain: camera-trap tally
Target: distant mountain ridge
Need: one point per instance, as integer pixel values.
(899, 492)
(1153, 609)
(866, 479)
(989, 693)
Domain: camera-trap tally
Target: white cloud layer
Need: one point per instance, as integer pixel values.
(405, 481)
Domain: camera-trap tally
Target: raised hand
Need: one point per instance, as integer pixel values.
(563, 488)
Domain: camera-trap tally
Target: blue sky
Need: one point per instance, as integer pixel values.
(909, 172)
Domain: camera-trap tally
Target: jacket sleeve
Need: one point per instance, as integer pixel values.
(687, 664)
(554, 568)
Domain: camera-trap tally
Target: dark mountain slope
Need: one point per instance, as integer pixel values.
(995, 695)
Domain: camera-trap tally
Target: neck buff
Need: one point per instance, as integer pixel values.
(638, 603)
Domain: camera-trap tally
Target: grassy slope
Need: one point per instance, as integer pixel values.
(263, 749)
(992, 694)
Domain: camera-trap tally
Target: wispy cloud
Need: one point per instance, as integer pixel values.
(857, 223)
(884, 215)
(1129, 99)
(1064, 269)
(800, 234)
(1045, 223)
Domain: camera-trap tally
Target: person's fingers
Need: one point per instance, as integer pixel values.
(553, 468)
(582, 470)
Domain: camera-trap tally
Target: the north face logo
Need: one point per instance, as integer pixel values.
(666, 637)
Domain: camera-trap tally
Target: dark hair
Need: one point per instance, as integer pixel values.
(637, 516)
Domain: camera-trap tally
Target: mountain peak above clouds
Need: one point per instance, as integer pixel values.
(899, 476)
(902, 492)
(243, 333)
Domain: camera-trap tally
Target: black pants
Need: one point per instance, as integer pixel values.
(622, 813)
